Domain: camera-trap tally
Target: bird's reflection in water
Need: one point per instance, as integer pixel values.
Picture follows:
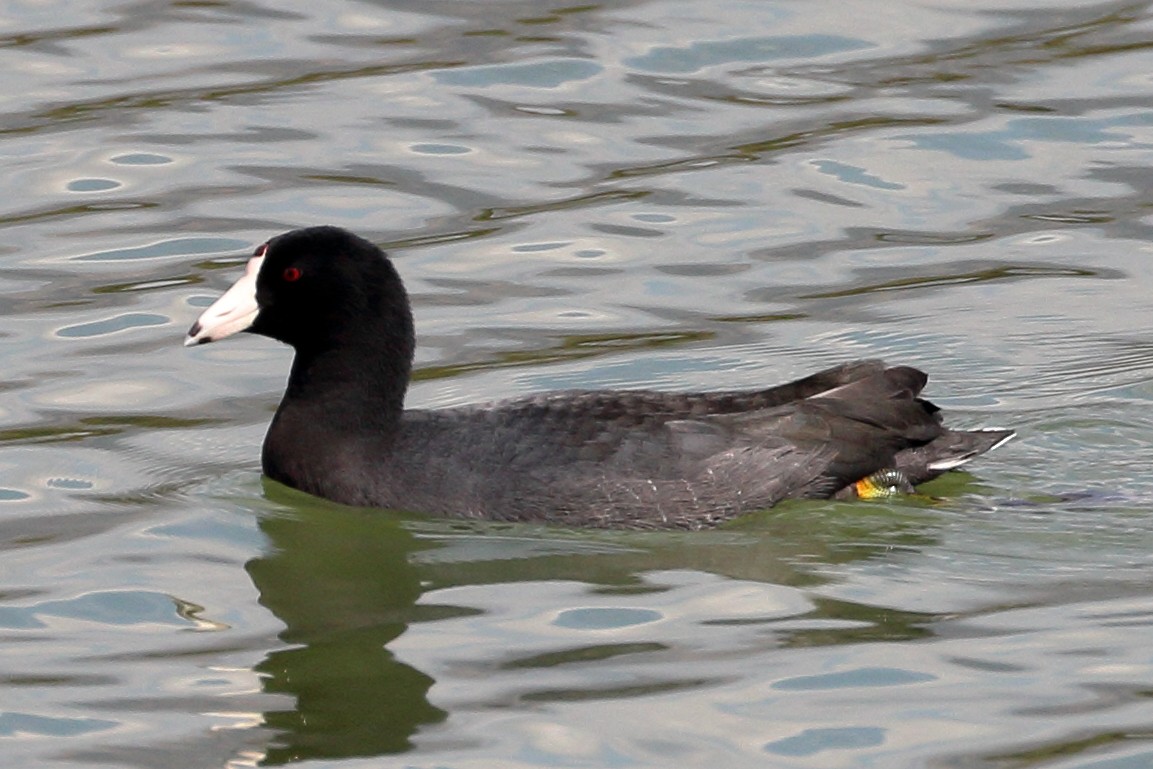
(346, 582)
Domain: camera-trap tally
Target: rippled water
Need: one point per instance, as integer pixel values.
(664, 194)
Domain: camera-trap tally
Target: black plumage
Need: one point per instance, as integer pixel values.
(593, 458)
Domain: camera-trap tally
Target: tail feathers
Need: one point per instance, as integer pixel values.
(951, 450)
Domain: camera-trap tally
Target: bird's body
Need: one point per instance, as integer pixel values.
(592, 458)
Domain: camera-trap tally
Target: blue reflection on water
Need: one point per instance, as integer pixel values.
(606, 618)
(13, 724)
(112, 325)
(813, 741)
(110, 607)
(853, 678)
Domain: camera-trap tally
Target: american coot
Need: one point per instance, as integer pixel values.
(633, 458)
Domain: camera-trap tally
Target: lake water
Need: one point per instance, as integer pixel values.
(659, 194)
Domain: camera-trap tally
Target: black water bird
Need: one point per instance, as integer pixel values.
(632, 458)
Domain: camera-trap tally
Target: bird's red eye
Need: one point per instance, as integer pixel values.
(291, 274)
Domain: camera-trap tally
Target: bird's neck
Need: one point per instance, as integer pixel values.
(358, 386)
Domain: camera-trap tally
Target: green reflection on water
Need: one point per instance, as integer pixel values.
(1045, 755)
(1004, 272)
(572, 347)
(580, 201)
(344, 586)
(90, 427)
(582, 654)
(346, 582)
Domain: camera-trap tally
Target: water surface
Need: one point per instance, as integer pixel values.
(636, 194)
